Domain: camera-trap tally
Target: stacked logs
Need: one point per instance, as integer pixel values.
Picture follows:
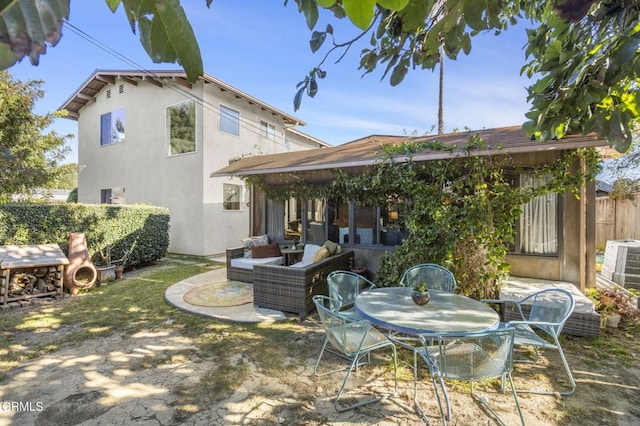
(32, 281)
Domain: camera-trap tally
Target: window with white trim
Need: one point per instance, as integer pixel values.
(181, 128)
(229, 121)
(268, 130)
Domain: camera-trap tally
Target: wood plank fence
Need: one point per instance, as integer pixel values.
(617, 220)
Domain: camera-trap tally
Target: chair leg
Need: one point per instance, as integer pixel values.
(485, 404)
(421, 412)
(339, 354)
(368, 401)
(567, 369)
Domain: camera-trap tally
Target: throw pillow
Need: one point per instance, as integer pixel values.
(339, 250)
(322, 253)
(331, 246)
(309, 251)
(255, 240)
(265, 250)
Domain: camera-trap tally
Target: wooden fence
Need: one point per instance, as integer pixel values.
(617, 220)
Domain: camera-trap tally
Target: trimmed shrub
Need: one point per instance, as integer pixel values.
(141, 229)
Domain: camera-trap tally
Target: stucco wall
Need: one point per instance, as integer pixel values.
(140, 163)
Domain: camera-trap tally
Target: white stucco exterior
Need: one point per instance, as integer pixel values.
(141, 165)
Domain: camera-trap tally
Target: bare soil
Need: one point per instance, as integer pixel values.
(264, 375)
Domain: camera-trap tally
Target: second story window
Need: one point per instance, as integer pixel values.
(181, 128)
(112, 127)
(229, 121)
(268, 130)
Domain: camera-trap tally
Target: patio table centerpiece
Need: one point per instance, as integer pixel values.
(420, 294)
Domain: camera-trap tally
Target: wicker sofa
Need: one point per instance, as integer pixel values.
(290, 289)
(236, 273)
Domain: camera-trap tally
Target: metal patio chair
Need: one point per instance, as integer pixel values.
(344, 287)
(437, 277)
(352, 340)
(544, 314)
(467, 357)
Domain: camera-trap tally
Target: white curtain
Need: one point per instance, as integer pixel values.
(538, 222)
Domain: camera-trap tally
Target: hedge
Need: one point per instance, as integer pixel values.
(141, 229)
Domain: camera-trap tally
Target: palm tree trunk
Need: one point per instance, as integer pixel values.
(441, 94)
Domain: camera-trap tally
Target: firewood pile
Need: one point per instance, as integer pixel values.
(32, 281)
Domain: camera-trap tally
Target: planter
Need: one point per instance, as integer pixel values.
(420, 297)
(118, 272)
(106, 274)
(613, 320)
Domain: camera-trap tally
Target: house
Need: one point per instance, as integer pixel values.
(565, 253)
(153, 137)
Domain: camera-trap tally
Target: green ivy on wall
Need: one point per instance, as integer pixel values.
(460, 212)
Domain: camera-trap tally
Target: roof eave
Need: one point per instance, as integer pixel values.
(430, 156)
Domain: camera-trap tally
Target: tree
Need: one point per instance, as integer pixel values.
(29, 159)
(583, 52)
(66, 177)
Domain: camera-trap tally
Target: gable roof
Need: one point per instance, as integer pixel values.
(100, 78)
(365, 151)
(307, 137)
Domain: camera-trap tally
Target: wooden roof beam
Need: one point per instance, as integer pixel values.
(182, 82)
(106, 78)
(86, 97)
(153, 80)
(128, 80)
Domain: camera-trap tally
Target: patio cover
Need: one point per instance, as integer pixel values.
(365, 152)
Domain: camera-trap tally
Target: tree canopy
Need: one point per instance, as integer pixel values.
(29, 158)
(582, 52)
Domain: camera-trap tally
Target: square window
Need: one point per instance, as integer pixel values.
(181, 128)
(229, 121)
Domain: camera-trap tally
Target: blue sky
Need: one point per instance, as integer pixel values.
(262, 49)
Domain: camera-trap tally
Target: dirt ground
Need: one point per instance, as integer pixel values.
(160, 376)
(138, 380)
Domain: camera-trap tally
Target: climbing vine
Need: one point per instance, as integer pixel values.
(460, 212)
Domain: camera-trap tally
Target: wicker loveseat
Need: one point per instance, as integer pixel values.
(242, 273)
(290, 289)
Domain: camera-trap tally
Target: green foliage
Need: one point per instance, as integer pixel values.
(73, 196)
(585, 57)
(589, 72)
(29, 159)
(65, 177)
(143, 230)
(25, 33)
(460, 212)
(584, 54)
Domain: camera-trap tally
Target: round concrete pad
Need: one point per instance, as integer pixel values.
(242, 313)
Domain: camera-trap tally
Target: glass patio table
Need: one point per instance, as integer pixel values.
(393, 309)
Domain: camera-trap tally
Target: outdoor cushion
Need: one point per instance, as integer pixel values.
(255, 240)
(265, 250)
(322, 253)
(331, 246)
(248, 263)
(517, 288)
(309, 251)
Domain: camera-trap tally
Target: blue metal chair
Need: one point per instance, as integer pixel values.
(437, 277)
(344, 287)
(548, 310)
(353, 340)
(468, 357)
